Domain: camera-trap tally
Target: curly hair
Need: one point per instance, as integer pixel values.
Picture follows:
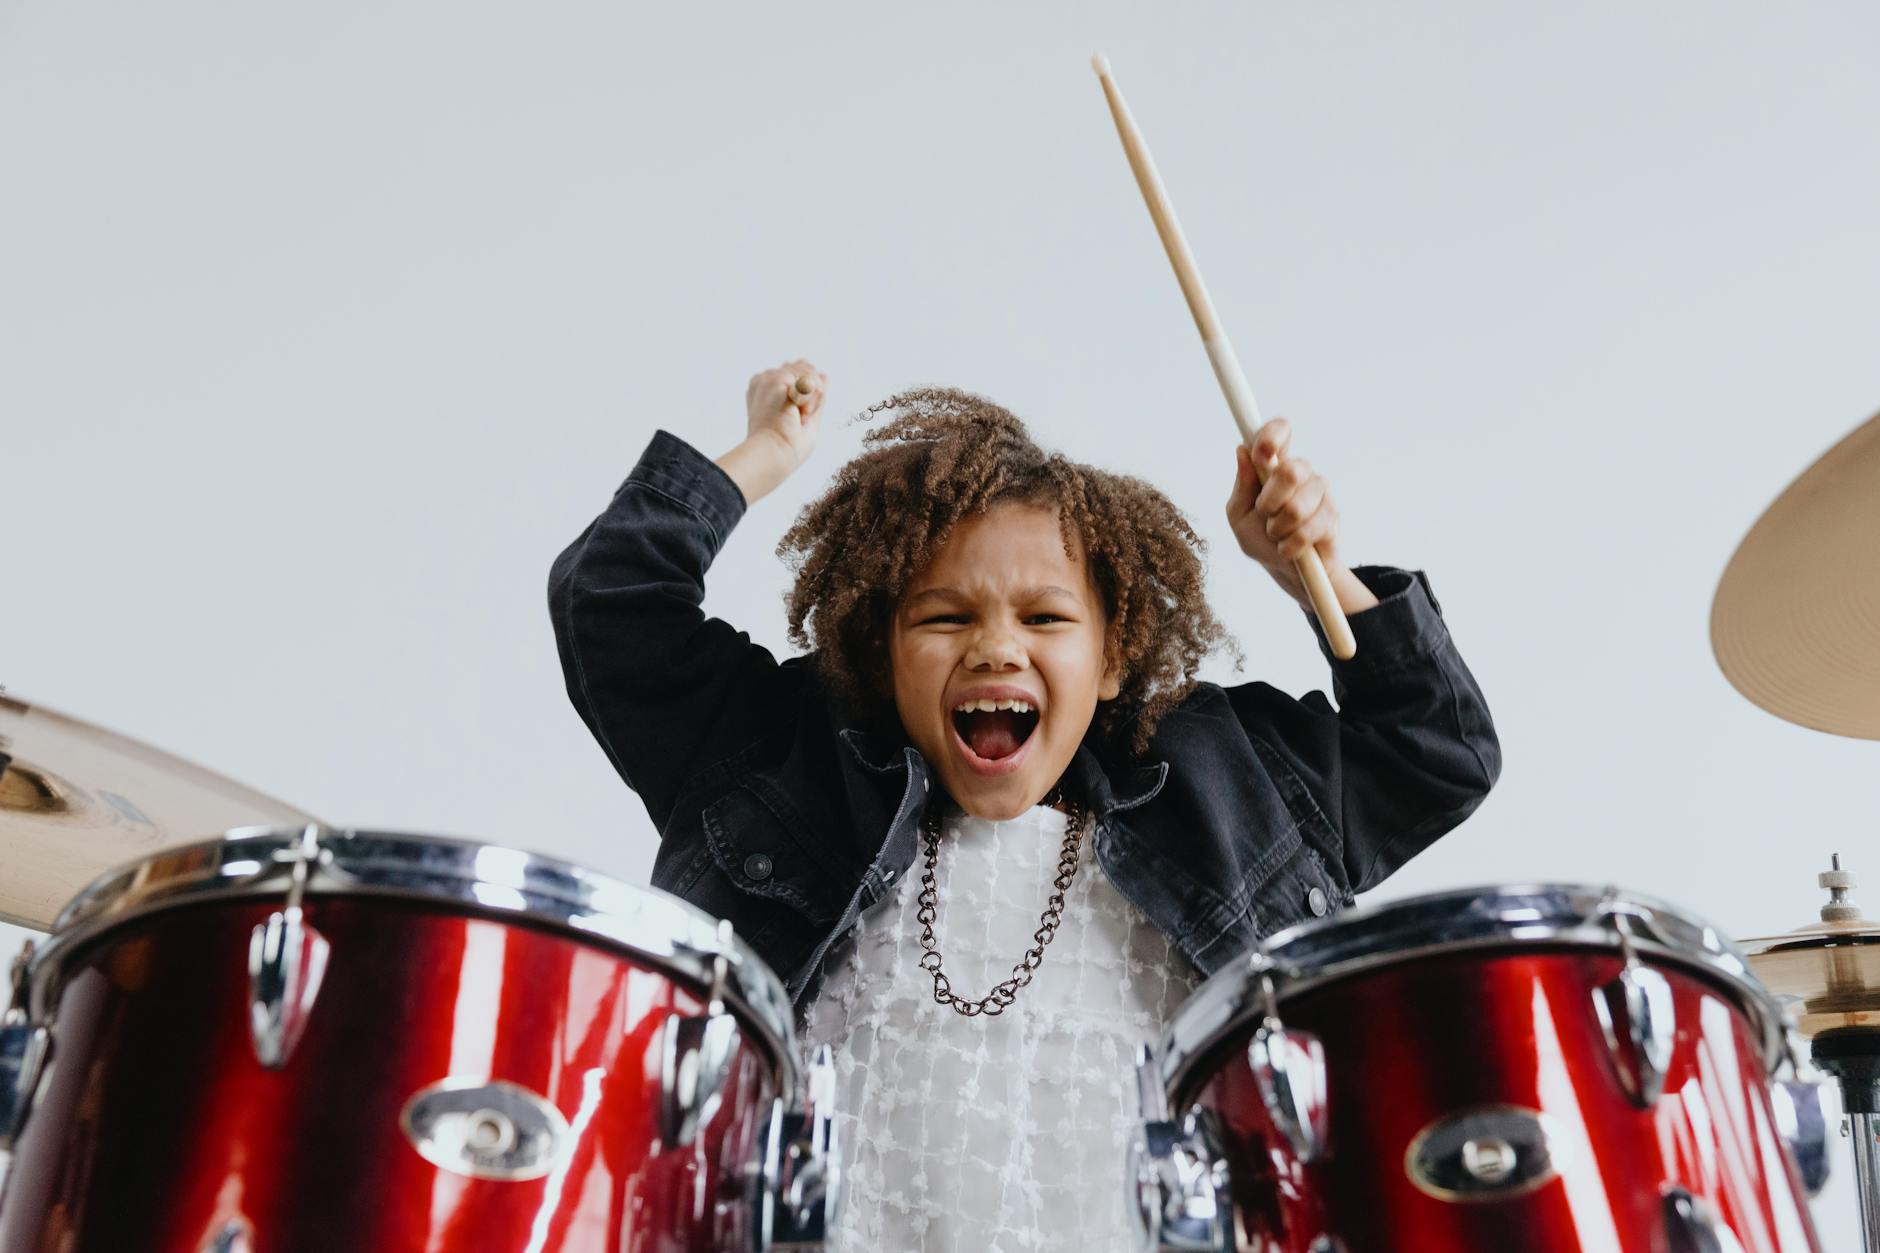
(950, 454)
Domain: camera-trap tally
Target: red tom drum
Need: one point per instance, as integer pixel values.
(1553, 1069)
(288, 1040)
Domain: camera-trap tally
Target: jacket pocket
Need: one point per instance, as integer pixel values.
(1315, 830)
(1299, 889)
(758, 855)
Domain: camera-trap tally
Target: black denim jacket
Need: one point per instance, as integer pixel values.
(1250, 811)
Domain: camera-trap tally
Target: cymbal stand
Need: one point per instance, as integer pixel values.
(1853, 1058)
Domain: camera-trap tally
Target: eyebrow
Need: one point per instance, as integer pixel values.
(952, 593)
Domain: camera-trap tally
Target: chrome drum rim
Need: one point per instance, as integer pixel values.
(1519, 917)
(653, 927)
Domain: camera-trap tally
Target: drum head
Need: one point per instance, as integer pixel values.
(656, 929)
(1524, 918)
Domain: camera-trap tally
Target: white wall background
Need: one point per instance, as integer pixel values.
(323, 328)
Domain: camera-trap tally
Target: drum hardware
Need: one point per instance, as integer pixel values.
(1289, 1066)
(1801, 1111)
(1642, 997)
(1177, 1173)
(801, 1188)
(1690, 1227)
(1853, 1058)
(1793, 629)
(486, 1130)
(1491, 1094)
(15, 1037)
(1839, 882)
(1490, 1153)
(1802, 1120)
(235, 1237)
(286, 960)
(698, 1055)
(25, 1047)
(1832, 967)
(479, 952)
(15, 1032)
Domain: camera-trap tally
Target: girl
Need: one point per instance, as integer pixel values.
(990, 827)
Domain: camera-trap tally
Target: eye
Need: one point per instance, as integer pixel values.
(952, 619)
(1041, 619)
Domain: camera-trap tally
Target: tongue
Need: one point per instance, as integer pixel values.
(994, 735)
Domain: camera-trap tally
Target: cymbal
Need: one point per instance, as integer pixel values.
(76, 800)
(1836, 983)
(1831, 967)
(1796, 620)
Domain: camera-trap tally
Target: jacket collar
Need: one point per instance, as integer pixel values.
(1107, 789)
(877, 753)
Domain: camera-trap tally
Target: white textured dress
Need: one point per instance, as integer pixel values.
(993, 1133)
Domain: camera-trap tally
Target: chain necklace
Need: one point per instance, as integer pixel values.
(1003, 994)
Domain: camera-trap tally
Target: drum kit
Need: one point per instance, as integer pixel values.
(296, 1037)
(291, 1037)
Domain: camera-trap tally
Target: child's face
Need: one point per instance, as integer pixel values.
(1001, 614)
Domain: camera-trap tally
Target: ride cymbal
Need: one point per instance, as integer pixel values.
(76, 800)
(1796, 621)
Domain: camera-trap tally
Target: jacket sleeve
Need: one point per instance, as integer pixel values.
(665, 689)
(1410, 750)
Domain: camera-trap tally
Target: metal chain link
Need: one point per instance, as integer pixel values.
(1003, 994)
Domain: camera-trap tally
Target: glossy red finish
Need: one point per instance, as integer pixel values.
(1415, 1043)
(158, 1130)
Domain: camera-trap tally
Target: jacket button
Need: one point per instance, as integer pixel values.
(757, 866)
(1316, 902)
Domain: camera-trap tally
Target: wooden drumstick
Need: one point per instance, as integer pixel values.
(1239, 395)
(802, 390)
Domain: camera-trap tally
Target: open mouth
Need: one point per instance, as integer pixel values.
(994, 730)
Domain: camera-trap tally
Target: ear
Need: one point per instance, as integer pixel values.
(1110, 686)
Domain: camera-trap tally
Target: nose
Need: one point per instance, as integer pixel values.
(995, 647)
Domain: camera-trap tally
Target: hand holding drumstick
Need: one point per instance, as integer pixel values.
(783, 410)
(1293, 511)
(1325, 595)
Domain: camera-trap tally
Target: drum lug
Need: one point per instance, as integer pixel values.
(236, 1236)
(24, 1050)
(1690, 1227)
(1178, 1174)
(1802, 1121)
(286, 960)
(1289, 1067)
(801, 1189)
(1638, 1018)
(1801, 1113)
(698, 1055)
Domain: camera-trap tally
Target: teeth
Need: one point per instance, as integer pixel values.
(992, 706)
